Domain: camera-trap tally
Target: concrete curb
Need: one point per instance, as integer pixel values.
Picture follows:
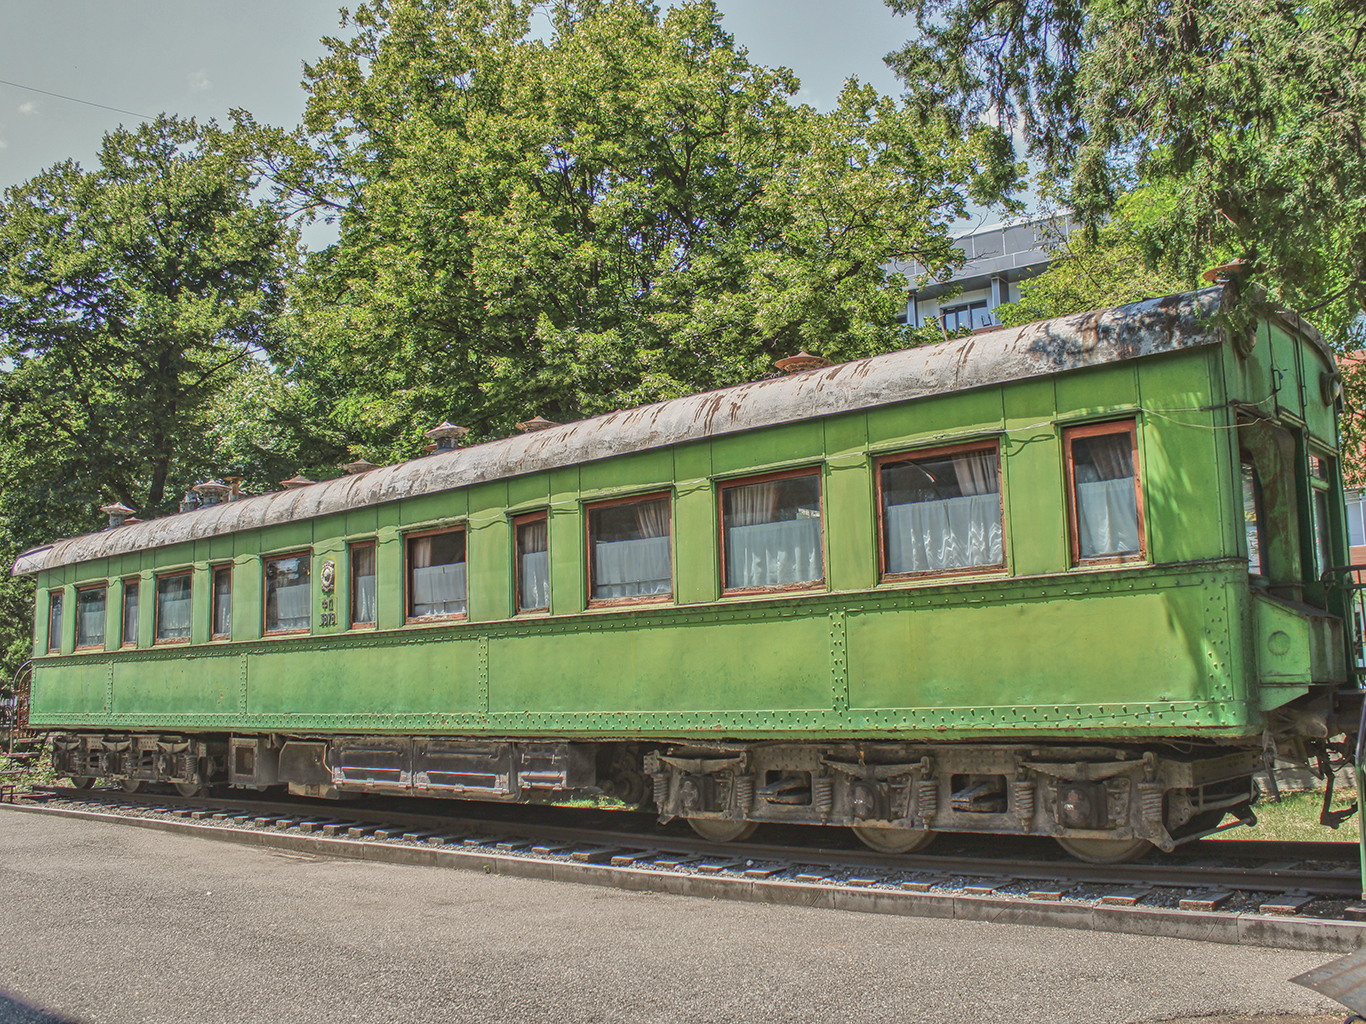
(1311, 934)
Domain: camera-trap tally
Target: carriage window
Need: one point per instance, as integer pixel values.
(628, 550)
(436, 575)
(221, 616)
(1252, 516)
(288, 594)
(54, 621)
(1320, 473)
(1102, 472)
(941, 511)
(363, 585)
(173, 608)
(533, 562)
(90, 608)
(771, 533)
(130, 613)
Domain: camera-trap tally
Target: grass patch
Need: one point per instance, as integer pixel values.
(1295, 819)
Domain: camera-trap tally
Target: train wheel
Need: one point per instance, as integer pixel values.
(894, 840)
(719, 831)
(81, 782)
(1105, 851)
(133, 785)
(189, 788)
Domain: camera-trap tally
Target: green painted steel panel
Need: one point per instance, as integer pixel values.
(77, 685)
(694, 666)
(488, 571)
(772, 446)
(940, 420)
(695, 543)
(1035, 499)
(1097, 648)
(566, 545)
(390, 595)
(202, 683)
(849, 502)
(442, 675)
(1099, 392)
(635, 472)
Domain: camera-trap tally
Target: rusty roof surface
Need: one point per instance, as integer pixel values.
(1139, 329)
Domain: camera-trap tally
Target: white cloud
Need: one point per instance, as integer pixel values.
(28, 108)
(199, 81)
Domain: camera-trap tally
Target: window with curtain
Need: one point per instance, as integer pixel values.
(436, 575)
(54, 622)
(629, 550)
(772, 533)
(130, 613)
(1252, 516)
(1321, 475)
(173, 608)
(90, 609)
(533, 565)
(363, 585)
(1104, 477)
(942, 512)
(221, 615)
(289, 593)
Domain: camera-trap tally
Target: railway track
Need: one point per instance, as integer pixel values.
(1277, 884)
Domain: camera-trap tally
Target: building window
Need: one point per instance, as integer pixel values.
(436, 575)
(533, 562)
(289, 591)
(130, 613)
(363, 604)
(1252, 516)
(941, 511)
(771, 533)
(968, 316)
(90, 611)
(54, 621)
(1103, 492)
(1356, 530)
(629, 551)
(173, 608)
(221, 615)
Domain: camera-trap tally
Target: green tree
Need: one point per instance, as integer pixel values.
(624, 212)
(132, 297)
(1248, 113)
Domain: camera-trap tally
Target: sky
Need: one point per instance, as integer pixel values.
(206, 57)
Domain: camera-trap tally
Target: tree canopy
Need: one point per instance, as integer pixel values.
(625, 211)
(1245, 117)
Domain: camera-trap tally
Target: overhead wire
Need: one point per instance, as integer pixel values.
(74, 99)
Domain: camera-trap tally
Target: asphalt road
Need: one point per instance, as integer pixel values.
(103, 923)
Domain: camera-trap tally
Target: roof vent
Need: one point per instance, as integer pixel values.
(536, 423)
(212, 492)
(359, 466)
(446, 435)
(297, 480)
(190, 502)
(801, 362)
(118, 513)
(235, 482)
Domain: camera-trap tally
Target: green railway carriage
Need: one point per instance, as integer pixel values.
(1070, 579)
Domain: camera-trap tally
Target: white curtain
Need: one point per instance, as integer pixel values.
(89, 622)
(632, 568)
(955, 533)
(174, 610)
(752, 504)
(437, 590)
(1107, 502)
(977, 472)
(130, 615)
(652, 518)
(533, 566)
(292, 606)
(222, 607)
(1107, 518)
(774, 554)
(364, 598)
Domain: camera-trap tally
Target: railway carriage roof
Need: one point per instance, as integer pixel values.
(1132, 331)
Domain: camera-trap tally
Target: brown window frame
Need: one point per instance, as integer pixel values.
(996, 568)
(1069, 435)
(156, 608)
(136, 585)
(55, 599)
(408, 579)
(79, 591)
(635, 499)
(265, 583)
(214, 570)
(723, 485)
(518, 522)
(351, 621)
